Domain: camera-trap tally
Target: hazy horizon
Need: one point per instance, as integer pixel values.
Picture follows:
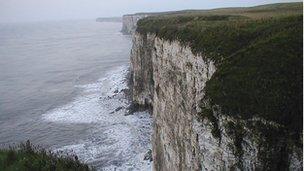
(45, 10)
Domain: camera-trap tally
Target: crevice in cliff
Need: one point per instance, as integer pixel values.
(133, 106)
(207, 113)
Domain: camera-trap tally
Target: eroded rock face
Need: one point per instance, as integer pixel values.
(169, 77)
(179, 78)
(129, 22)
(142, 69)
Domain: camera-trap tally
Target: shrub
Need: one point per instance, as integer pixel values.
(29, 157)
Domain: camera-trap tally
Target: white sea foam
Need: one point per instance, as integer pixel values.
(95, 103)
(116, 142)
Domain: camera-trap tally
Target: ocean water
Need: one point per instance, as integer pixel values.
(61, 85)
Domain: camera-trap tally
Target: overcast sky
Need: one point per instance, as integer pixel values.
(40, 10)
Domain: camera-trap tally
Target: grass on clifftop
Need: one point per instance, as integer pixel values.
(26, 157)
(264, 78)
(258, 53)
(219, 33)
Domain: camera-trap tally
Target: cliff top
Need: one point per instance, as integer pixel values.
(258, 52)
(205, 30)
(294, 7)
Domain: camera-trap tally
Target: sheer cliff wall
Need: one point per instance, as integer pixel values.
(169, 77)
(129, 22)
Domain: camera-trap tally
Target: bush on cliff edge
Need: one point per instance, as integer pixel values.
(30, 158)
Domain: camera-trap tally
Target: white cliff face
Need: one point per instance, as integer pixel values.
(179, 78)
(142, 68)
(218, 154)
(129, 22)
(169, 77)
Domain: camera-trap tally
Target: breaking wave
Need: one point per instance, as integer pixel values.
(116, 141)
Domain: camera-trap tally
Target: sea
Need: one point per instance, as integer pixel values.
(62, 86)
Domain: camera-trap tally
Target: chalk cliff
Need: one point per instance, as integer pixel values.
(129, 22)
(169, 77)
(226, 90)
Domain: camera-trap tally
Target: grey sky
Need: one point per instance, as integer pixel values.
(40, 10)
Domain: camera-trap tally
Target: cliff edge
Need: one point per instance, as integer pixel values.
(225, 87)
(129, 22)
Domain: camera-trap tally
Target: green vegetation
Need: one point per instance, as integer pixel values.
(263, 78)
(236, 131)
(257, 12)
(275, 145)
(258, 57)
(30, 158)
(207, 113)
(258, 53)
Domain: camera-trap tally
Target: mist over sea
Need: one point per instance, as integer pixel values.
(61, 84)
